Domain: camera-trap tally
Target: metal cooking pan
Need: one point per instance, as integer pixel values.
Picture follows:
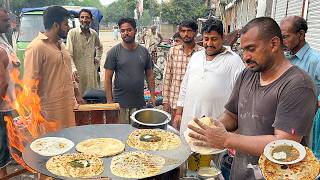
(119, 131)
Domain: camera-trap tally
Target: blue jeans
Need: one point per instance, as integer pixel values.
(4, 148)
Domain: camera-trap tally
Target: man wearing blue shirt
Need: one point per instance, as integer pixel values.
(294, 29)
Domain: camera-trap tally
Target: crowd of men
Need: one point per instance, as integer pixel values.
(262, 97)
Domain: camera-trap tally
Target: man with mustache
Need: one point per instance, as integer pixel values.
(271, 100)
(48, 62)
(210, 77)
(176, 65)
(85, 50)
(131, 63)
(294, 29)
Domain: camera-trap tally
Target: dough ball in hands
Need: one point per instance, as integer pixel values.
(198, 149)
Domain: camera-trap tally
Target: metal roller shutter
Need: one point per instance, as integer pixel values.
(252, 10)
(244, 18)
(239, 14)
(280, 10)
(295, 7)
(313, 34)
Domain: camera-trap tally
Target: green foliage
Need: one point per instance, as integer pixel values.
(146, 18)
(176, 11)
(125, 8)
(118, 9)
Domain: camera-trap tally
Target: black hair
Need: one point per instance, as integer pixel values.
(268, 28)
(176, 35)
(87, 11)
(131, 21)
(213, 24)
(299, 24)
(189, 24)
(54, 14)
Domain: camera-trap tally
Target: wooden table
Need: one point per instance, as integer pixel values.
(97, 114)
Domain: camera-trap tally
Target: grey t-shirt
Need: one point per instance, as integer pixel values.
(289, 104)
(129, 67)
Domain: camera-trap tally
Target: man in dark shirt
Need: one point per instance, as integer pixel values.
(131, 62)
(271, 100)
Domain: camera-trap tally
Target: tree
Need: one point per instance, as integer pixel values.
(125, 8)
(146, 18)
(118, 9)
(176, 11)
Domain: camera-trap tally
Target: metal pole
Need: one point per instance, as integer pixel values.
(161, 11)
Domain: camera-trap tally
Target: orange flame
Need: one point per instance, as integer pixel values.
(30, 123)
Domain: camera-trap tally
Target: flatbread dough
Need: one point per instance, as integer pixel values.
(190, 141)
(101, 147)
(306, 169)
(51, 146)
(136, 165)
(162, 140)
(75, 165)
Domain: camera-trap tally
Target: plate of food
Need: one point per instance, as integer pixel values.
(51, 146)
(306, 169)
(284, 152)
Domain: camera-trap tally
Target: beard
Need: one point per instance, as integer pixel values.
(213, 53)
(256, 67)
(62, 34)
(187, 40)
(85, 26)
(260, 67)
(128, 39)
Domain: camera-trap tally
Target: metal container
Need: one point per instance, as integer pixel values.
(150, 119)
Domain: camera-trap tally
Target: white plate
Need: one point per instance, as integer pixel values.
(270, 147)
(51, 146)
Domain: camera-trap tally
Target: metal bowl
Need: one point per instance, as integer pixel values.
(150, 119)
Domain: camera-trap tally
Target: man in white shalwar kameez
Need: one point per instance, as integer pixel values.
(209, 79)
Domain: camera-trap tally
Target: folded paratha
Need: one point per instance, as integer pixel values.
(306, 169)
(153, 139)
(101, 147)
(75, 165)
(51, 146)
(136, 165)
(191, 141)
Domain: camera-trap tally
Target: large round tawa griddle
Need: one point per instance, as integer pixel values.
(174, 158)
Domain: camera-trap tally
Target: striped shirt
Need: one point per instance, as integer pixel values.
(175, 69)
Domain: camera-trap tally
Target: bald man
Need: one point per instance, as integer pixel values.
(294, 29)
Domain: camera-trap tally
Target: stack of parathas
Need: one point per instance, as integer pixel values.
(75, 165)
(306, 169)
(153, 139)
(101, 147)
(136, 165)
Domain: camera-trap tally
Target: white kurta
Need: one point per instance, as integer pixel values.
(207, 85)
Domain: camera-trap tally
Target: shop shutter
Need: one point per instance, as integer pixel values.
(252, 10)
(295, 7)
(244, 17)
(313, 33)
(239, 14)
(280, 10)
